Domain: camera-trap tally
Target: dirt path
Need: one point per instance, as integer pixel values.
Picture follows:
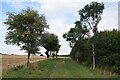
(9, 61)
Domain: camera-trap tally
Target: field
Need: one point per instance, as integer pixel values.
(55, 68)
(9, 61)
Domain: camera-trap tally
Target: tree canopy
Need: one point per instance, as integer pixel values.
(75, 34)
(105, 52)
(79, 36)
(90, 15)
(50, 42)
(25, 29)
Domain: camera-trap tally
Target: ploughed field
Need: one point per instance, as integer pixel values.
(9, 61)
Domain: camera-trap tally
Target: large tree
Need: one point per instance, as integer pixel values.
(50, 42)
(25, 29)
(90, 17)
(76, 37)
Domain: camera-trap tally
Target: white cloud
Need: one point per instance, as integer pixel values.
(109, 18)
(11, 49)
(57, 14)
(61, 15)
(2, 31)
(58, 0)
(47, 0)
(58, 27)
(65, 49)
(1, 23)
(107, 0)
(6, 48)
(0, 11)
(61, 9)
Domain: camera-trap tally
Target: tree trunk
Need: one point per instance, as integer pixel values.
(56, 54)
(47, 54)
(50, 53)
(93, 56)
(28, 61)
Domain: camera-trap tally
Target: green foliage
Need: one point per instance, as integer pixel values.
(106, 43)
(50, 42)
(107, 49)
(90, 15)
(75, 34)
(82, 49)
(24, 29)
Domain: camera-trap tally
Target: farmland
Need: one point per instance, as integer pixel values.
(9, 61)
(92, 49)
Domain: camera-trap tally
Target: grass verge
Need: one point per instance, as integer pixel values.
(54, 68)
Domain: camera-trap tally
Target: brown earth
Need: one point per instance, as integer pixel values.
(9, 61)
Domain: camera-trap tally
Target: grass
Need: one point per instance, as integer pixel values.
(54, 68)
(0, 75)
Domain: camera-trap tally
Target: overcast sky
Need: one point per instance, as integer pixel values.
(60, 16)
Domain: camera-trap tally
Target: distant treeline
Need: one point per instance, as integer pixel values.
(3, 54)
(64, 55)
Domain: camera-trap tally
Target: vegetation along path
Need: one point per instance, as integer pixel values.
(54, 68)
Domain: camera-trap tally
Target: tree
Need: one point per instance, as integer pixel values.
(75, 37)
(56, 49)
(25, 29)
(75, 34)
(90, 16)
(50, 42)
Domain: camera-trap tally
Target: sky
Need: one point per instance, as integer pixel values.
(60, 16)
